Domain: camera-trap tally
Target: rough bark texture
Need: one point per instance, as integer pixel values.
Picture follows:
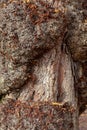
(36, 116)
(43, 64)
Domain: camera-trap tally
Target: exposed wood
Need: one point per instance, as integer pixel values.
(43, 59)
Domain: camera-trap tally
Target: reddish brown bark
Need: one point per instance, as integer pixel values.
(43, 58)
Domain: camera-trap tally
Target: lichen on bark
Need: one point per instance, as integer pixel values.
(43, 58)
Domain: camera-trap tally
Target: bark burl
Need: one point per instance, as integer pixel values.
(43, 59)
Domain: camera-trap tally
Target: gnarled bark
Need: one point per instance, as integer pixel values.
(43, 48)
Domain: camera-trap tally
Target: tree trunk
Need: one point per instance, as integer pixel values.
(42, 73)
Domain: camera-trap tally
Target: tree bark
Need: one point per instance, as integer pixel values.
(42, 73)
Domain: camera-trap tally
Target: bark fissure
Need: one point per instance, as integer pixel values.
(43, 59)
